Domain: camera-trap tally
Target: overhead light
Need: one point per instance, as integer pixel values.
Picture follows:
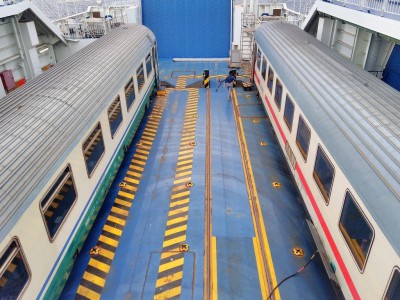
(43, 50)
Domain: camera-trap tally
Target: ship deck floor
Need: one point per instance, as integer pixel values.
(197, 214)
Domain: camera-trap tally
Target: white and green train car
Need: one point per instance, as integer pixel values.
(62, 138)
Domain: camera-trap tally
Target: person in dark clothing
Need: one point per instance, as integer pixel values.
(228, 82)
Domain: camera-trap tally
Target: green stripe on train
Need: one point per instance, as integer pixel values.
(65, 268)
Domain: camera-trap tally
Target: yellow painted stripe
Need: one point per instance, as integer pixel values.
(178, 188)
(182, 180)
(190, 150)
(175, 230)
(167, 254)
(94, 279)
(186, 173)
(120, 211)
(170, 278)
(108, 240)
(143, 151)
(169, 294)
(106, 253)
(170, 265)
(83, 291)
(177, 240)
(131, 180)
(214, 268)
(116, 220)
(147, 138)
(184, 162)
(112, 230)
(261, 272)
(177, 211)
(134, 174)
(180, 202)
(181, 194)
(184, 168)
(137, 168)
(99, 265)
(138, 162)
(146, 142)
(176, 220)
(151, 130)
(186, 139)
(150, 133)
(123, 202)
(126, 195)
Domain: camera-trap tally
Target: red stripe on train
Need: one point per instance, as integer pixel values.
(328, 235)
(256, 76)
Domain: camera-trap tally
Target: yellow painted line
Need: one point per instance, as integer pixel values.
(184, 168)
(184, 162)
(175, 230)
(177, 220)
(131, 180)
(170, 278)
(112, 230)
(188, 138)
(261, 272)
(106, 253)
(94, 279)
(108, 241)
(142, 151)
(130, 187)
(146, 142)
(147, 138)
(263, 239)
(167, 254)
(186, 151)
(168, 294)
(180, 174)
(170, 265)
(180, 202)
(123, 202)
(134, 174)
(137, 168)
(188, 134)
(85, 292)
(179, 188)
(150, 133)
(177, 240)
(138, 162)
(99, 265)
(214, 268)
(151, 130)
(177, 211)
(126, 195)
(116, 220)
(182, 180)
(181, 194)
(145, 147)
(120, 211)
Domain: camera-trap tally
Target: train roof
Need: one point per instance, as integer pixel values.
(42, 121)
(356, 115)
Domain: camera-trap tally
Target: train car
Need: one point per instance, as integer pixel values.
(63, 137)
(339, 129)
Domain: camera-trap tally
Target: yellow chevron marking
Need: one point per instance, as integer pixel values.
(106, 253)
(179, 188)
(146, 142)
(88, 293)
(180, 202)
(181, 194)
(184, 162)
(177, 220)
(94, 279)
(189, 156)
(116, 220)
(119, 211)
(112, 230)
(142, 151)
(170, 265)
(138, 162)
(149, 132)
(177, 211)
(167, 254)
(137, 168)
(175, 230)
(134, 174)
(108, 241)
(190, 150)
(180, 174)
(147, 138)
(188, 138)
(99, 265)
(131, 180)
(126, 195)
(123, 202)
(184, 168)
(182, 180)
(170, 278)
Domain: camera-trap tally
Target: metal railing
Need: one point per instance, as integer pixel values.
(383, 6)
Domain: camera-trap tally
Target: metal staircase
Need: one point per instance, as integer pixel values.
(247, 39)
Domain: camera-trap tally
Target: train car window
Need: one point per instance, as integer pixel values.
(140, 77)
(129, 93)
(258, 59)
(278, 94)
(264, 67)
(303, 138)
(289, 112)
(357, 232)
(93, 149)
(148, 65)
(323, 174)
(115, 116)
(15, 275)
(393, 292)
(270, 81)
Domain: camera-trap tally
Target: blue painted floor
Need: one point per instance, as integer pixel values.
(134, 270)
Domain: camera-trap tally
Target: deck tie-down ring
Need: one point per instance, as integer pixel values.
(184, 248)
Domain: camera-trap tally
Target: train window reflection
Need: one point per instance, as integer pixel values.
(58, 202)
(303, 138)
(93, 149)
(278, 93)
(14, 272)
(289, 112)
(264, 67)
(393, 291)
(140, 77)
(115, 116)
(129, 93)
(270, 81)
(148, 65)
(323, 174)
(258, 59)
(357, 232)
